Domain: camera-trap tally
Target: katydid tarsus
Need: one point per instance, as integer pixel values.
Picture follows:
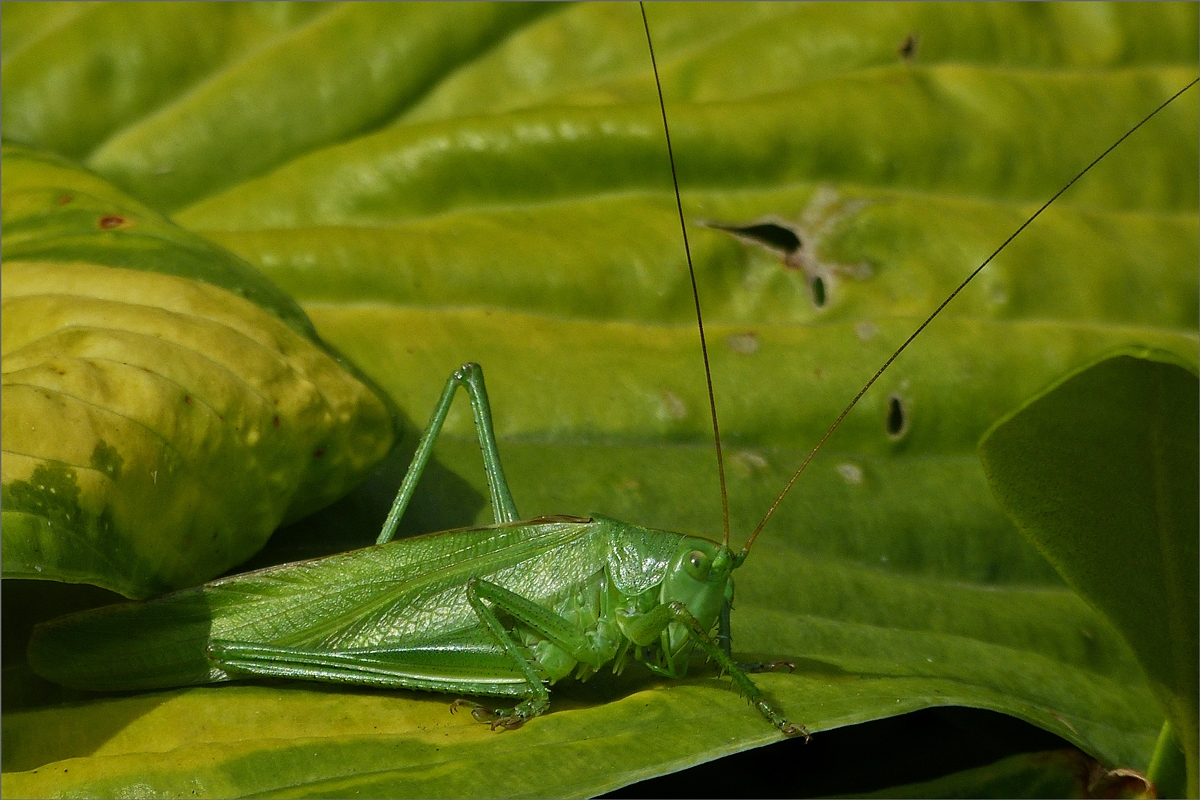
(500, 611)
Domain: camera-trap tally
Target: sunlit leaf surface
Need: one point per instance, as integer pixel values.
(444, 183)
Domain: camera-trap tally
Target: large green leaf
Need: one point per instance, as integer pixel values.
(1101, 473)
(516, 210)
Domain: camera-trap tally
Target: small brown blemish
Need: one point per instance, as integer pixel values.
(275, 421)
(1064, 721)
(908, 48)
(111, 221)
(818, 372)
(1117, 782)
(64, 199)
(318, 453)
(187, 399)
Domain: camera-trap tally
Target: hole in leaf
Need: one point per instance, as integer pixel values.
(819, 294)
(897, 420)
(768, 234)
(908, 48)
(772, 235)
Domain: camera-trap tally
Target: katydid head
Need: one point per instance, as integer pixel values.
(699, 577)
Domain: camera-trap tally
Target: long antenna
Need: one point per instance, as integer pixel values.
(938, 310)
(712, 402)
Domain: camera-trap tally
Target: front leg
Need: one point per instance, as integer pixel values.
(725, 640)
(648, 626)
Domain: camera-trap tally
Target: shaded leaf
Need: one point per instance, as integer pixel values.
(1055, 773)
(1101, 473)
(1168, 766)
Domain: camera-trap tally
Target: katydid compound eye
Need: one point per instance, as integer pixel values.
(697, 564)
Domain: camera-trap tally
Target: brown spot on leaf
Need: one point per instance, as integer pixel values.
(318, 453)
(1119, 782)
(110, 221)
(64, 199)
(275, 421)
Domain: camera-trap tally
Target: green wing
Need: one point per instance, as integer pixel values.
(407, 593)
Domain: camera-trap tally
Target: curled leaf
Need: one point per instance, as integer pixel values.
(1100, 472)
(165, 406)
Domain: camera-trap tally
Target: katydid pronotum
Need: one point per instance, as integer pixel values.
(500, 611)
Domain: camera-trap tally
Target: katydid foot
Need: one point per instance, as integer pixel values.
(504, 719)
(791, 729)
(775, 718)
(785, 727)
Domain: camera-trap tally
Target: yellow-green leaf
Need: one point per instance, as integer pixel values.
(165, 406)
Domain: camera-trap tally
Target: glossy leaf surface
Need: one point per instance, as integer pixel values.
(516, 211)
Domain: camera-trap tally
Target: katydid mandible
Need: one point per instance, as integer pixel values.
(500, 611)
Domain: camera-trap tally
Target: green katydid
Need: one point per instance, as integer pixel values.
(426, 613)
(499, 611)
